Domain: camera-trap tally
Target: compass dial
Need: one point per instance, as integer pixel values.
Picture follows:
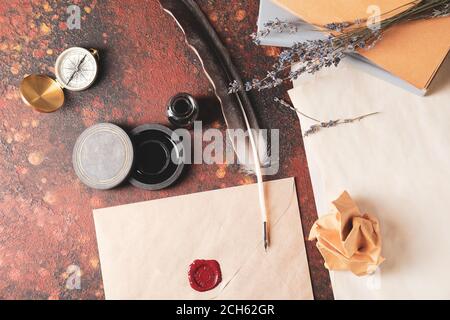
(76, 69)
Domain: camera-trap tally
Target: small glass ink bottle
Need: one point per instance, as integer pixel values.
(182, 110)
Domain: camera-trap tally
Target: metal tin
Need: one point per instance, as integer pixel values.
(103, 156)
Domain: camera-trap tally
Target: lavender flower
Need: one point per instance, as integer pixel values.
(338, 26)
(235, 86)
(276, 25)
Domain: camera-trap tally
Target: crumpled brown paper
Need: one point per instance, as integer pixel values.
(347, 239)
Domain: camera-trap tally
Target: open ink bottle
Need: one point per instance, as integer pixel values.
(182, 110)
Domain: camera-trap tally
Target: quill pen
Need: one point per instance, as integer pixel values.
(236, 107)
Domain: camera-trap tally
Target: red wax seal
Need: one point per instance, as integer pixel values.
(204, 275)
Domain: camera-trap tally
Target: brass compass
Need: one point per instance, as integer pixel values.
(76, 70)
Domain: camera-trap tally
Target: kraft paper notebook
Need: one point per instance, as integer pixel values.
(146, 248)
(413, 51)
(396, 166)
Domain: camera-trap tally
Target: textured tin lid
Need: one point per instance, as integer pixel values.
(103, 156)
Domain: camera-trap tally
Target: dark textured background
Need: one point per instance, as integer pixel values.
(45, 212)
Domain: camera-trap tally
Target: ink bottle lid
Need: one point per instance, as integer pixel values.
(182, 110)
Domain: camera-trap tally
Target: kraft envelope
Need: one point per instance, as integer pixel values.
(395, 164)
(413, 51)
(146, 248)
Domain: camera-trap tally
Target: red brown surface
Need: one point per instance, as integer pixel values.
(46, 220)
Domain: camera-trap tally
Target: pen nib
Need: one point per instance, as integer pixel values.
(266, 238)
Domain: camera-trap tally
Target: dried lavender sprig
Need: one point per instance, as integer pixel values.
(333, 123)
(312, 56)
(276, 25)
(321, 124)
(315, 55)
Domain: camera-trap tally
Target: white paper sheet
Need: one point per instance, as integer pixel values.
(395, 165)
